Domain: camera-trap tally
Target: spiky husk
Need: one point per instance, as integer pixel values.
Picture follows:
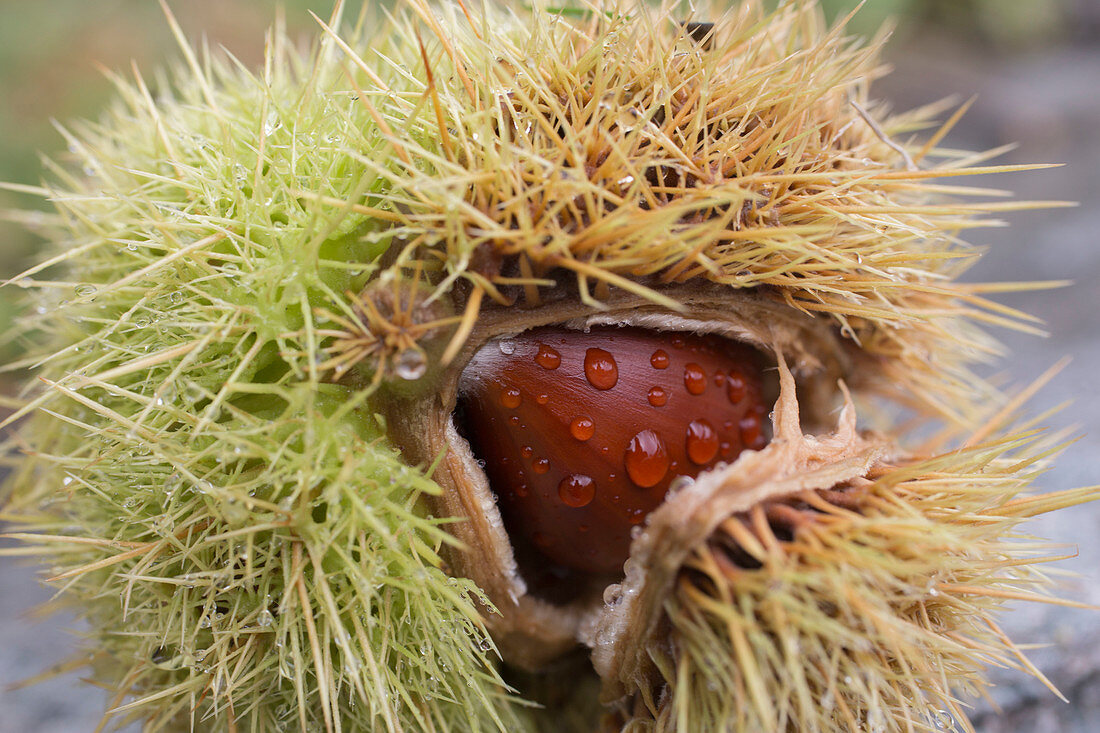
(871, 606)
(248, 269)
(619, 152)
(246, 545)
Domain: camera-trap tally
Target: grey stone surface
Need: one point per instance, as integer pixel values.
(1049, 105)
(1048, 102)
(28, 647)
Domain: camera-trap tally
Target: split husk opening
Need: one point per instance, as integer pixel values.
(532, 632)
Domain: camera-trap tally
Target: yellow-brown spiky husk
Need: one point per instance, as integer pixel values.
(234, 452)
(870, 607)
(620, 153)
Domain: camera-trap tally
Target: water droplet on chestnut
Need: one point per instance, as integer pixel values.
(582, 428)
(701, 442)
(511, 398)
(735, 387)
(577, 490)
(548, 357)
(695, 379)
(601, 369)
(647, 459)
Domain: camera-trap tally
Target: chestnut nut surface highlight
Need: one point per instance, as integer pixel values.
(582, 433)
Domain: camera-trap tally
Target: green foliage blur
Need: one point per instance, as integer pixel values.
(53, 55)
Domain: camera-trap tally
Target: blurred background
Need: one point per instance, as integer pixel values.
(1034, 65)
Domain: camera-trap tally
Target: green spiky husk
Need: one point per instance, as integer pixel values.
(244, 264)
(243, 541)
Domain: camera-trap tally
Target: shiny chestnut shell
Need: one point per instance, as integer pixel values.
(582, 432)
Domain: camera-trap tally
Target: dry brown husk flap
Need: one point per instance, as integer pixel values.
(622, 632)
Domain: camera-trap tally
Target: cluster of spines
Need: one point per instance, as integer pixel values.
(868, 607)
(619, 152)
(249, 550)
